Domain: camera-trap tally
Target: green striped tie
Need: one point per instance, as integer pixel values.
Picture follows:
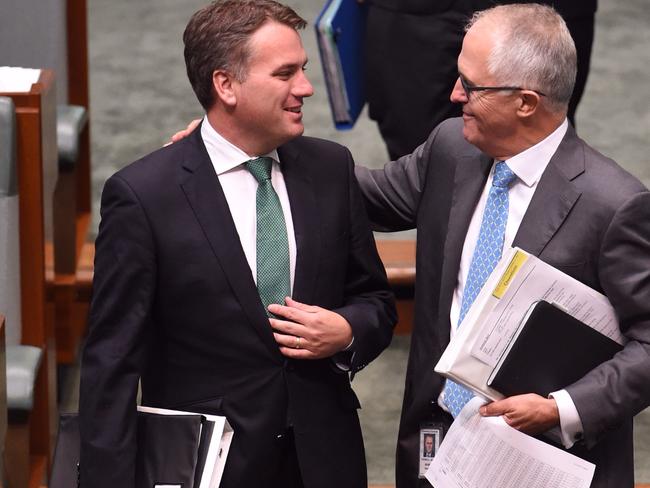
(272, 243)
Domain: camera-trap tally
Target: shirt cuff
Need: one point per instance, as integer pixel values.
(343, 359)
(570, 423)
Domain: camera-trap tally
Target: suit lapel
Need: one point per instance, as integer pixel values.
(205, 195)
(469, 181)
(304, 213)
(554, 197)
(550, 205)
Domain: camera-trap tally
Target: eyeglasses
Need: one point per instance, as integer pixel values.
(471, 88)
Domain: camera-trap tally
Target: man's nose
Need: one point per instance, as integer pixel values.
(458, 94)
(303, 87)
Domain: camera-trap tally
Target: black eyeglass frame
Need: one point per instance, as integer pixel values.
(471, 88)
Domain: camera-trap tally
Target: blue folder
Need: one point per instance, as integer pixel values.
(340, 32)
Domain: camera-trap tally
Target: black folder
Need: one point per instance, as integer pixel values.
(551, 351)
(170, 450)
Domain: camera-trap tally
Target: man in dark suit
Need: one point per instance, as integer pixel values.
(200, 239)
(556, 198)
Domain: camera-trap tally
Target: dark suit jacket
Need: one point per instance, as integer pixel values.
(588, 218)
(175, 304)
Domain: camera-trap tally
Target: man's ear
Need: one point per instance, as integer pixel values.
(224, 85)
(529, 103)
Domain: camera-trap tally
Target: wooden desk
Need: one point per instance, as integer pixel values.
(399, 260)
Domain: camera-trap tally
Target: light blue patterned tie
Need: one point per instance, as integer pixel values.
(486, 255)
(272, 244)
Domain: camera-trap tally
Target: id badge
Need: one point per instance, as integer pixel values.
(431, 435)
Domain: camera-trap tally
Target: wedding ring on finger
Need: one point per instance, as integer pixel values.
(297, 344)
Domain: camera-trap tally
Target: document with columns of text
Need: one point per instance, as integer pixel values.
(484, 452)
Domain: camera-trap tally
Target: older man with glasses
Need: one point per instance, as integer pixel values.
(512, 172)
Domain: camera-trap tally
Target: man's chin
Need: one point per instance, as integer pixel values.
(290, 135)
(297, 130)
(468, 131)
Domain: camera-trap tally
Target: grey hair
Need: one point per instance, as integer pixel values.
(533, 49)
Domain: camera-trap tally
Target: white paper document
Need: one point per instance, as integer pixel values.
(485, 452)
(517, 281)
(17, 80)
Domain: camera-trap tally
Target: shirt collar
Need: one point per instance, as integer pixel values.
(226, 156)
(531, 163)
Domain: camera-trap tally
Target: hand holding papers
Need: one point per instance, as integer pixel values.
(484, 452)
(526, 365)
(518, 281)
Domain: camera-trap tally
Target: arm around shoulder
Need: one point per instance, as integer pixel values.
(392, 194)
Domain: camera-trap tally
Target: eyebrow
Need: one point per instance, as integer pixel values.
(467, 80)
(290, 66)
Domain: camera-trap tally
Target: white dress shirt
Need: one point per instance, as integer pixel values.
(240, 188)
(528, 166)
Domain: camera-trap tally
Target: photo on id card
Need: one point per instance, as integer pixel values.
(430, 439)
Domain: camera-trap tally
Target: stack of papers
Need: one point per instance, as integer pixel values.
(485, 452)
(17, 80)
(518, 281)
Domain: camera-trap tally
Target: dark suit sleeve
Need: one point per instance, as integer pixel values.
(620, 388)
(369, 305)
(392, 194)
(113, 356)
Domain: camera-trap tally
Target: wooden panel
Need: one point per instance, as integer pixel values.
(73, 200)
(77, 27)
(37, 170)
(78, 93)
(399, 260)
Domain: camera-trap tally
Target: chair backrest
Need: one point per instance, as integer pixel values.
(9, 237)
